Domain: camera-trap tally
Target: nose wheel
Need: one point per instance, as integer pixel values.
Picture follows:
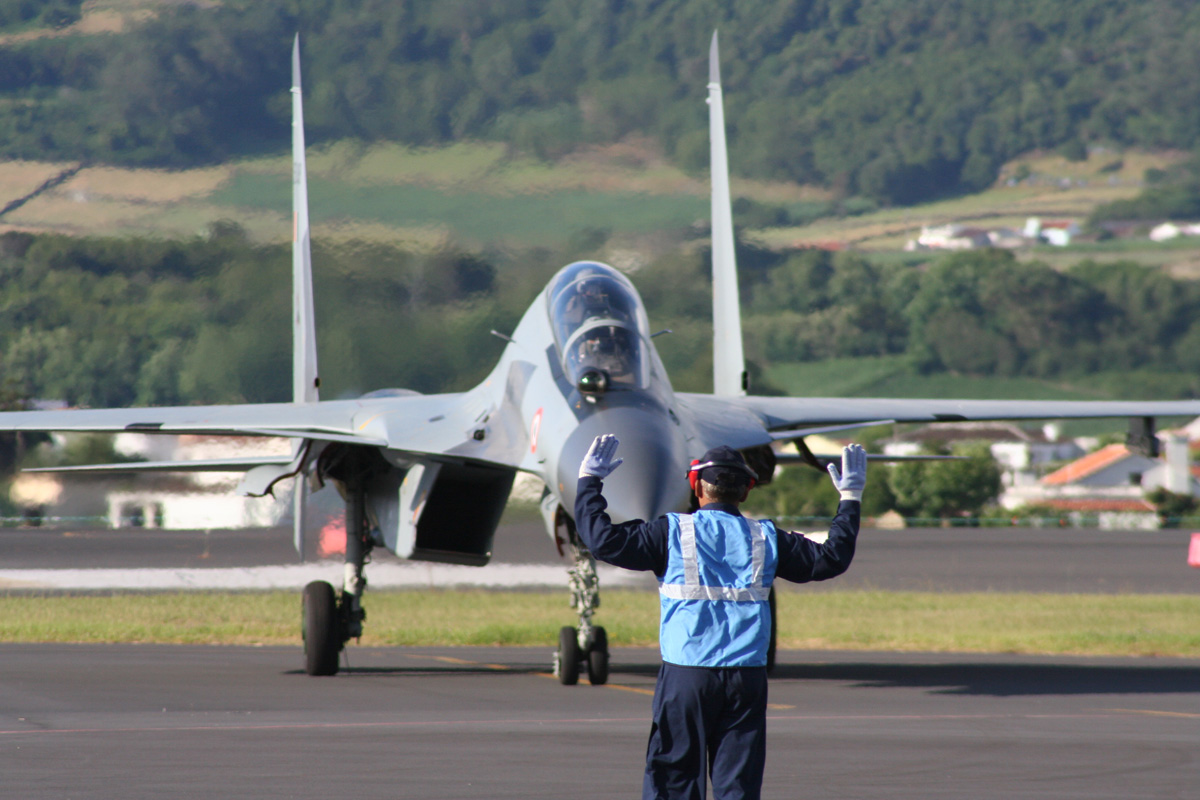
(578, 651)
(585, 647)
(597, 658)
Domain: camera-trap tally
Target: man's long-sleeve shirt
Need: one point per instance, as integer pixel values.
(642, 545)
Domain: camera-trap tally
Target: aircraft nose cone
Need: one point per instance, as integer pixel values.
(651, 481)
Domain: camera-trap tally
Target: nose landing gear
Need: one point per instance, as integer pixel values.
(576, 652)
(587, 645)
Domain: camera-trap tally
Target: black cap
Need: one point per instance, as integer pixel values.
(724, 466)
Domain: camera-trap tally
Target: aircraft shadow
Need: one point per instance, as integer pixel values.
(1004, 680)
(978, 678)
(442, 670)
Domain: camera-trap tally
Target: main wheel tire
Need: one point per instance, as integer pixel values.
(568, 656)
(319, 622)
(774, 631)
(597, 659)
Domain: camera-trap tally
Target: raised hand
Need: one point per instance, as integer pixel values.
(852, 478)
(599, 460)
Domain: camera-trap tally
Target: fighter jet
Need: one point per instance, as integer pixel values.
(428, 476)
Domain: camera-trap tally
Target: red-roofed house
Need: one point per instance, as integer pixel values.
(1058, 233)
(1111, 482)
(1113, 465)
(1021, 453)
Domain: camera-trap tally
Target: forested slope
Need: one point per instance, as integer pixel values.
(107, 322)
(897, 100)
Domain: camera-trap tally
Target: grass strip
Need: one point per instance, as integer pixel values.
(1121, 625)
(1076, 624)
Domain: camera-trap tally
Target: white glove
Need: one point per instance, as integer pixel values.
(853, 476)
(599, 459)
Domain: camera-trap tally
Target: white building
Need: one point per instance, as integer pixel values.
(1021, 453)
(1057, 233)
(1173, 230)
(951, 237)
(1112, 484)
(174, 500)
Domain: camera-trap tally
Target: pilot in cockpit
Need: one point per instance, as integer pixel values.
(603, 347)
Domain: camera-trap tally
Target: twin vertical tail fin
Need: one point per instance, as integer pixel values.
(305, 380)
(729, 365)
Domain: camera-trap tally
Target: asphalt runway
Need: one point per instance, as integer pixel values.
(144, 721)
(151, 721)
(937, 559)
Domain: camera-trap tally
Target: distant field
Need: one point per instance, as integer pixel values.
(543, 218)
(887, 376)
(479, 194)
(1036, 185)
(471, 192)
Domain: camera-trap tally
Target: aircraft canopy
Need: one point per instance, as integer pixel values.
(599, 323)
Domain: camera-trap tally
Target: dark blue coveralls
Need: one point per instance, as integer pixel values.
(710, 716)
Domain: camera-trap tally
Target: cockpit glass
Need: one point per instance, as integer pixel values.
(598, 324)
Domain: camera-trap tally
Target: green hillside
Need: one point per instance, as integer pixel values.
(895, 100)
(457, 159)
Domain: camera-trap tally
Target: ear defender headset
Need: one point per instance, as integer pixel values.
(697, 465)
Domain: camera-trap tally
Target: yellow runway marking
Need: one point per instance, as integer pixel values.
(634, 689)
(617, 686)
(463, 662)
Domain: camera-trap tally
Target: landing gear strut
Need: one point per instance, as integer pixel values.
(329, 620)
(587, 645)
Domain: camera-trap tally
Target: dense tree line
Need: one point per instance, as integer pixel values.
(108, 322)
(897, 100)
(915, 489)
(1167, 197)
(983, 313)
(18, 14)
(1124, 329)
(104, 322)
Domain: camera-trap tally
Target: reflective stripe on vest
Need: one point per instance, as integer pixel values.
(693, 589)
(714, 592)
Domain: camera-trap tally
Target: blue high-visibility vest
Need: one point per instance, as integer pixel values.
(713, 594)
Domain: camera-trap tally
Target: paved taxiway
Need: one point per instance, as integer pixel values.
(143, 721)
(147, 721)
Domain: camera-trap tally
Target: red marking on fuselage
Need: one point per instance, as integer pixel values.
(535, 427)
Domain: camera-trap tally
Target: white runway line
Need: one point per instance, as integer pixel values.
(295, 576)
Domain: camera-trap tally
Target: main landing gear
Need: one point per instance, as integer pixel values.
(327, 624)
(586, 646)
(328, 619)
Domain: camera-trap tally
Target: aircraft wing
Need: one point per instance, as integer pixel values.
(727, 417)
(459, 426)
(236, 464)
(334, 421)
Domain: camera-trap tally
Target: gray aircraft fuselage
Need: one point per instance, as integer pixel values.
(591, 368)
